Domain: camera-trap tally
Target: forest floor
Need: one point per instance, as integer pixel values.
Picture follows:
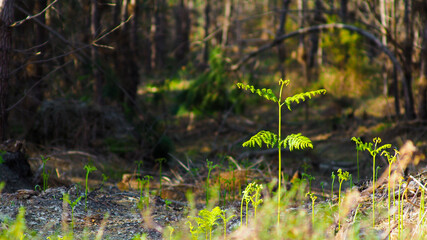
(195, 142)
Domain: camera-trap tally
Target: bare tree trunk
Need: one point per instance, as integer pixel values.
(95, 29)
(315, 37)
(422, 109)
(207, 24)
(160, 34)
(183, 24)
(302, 52)
(146, 41)
(40, 39)
(343, 11)
(383, 14)
(395, 77)
(238, 26)
(127, 53)
(280, 47)
(408, 49)
(132, 59)
(226, 24)
(265, 20)
(6, 19)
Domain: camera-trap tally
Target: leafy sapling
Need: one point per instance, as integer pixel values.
(309, 178)
(160, 161)
(256, 198)
(225, 220)
(66, 198)
(322, 184)
(205, 222)
(104, 180)
(146, 183)
(171, 230)
(45, 174)
(167, 203)
(313, 199)
(251, 194)
(210, 168)
(138, 166)
(89, 168)
(360, 146)
(373, 149)
(391, 160)
(342, 176)
(272, 140)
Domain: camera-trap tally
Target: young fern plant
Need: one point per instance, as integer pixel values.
(271, 140)
(391, 159)
(374, 150)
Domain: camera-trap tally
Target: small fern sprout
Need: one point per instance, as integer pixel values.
(246, 198)
(374, 151)
(205, 222)
(313, 199)
(391, 159)
(309, 178)
(225, 220)
(360, 146)
(342, 176)
(255, 199)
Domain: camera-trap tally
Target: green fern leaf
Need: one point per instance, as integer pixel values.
(266, 137)
(265, 93)
(300, 97)
(296, 141)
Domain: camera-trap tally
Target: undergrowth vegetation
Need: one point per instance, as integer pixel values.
(271, 211)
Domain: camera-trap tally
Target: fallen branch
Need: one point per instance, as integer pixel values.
(317, 28)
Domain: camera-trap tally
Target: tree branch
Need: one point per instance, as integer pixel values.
(321, 27)
(17, 23)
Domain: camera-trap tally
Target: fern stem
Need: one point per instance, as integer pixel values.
(373, 193)
(279, 140)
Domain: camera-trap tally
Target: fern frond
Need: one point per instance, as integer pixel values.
(266, 137)
(297, 141)
(301, 97)
(265, 93)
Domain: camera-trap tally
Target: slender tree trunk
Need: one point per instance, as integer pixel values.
(315, 37)
(408, 49)
(302, 52)
(40, 40)
(207, 24)
(265, 20)
(6, 19)
(182, 26)
(95, 29)
(343, 11)
(281, 47)
(383, 15)
(146, 40)
(132, 56)
(160, 34)
(395, 76)
(226, 24)
(422, 109)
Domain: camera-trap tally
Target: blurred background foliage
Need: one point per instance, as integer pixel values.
(119, 76)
